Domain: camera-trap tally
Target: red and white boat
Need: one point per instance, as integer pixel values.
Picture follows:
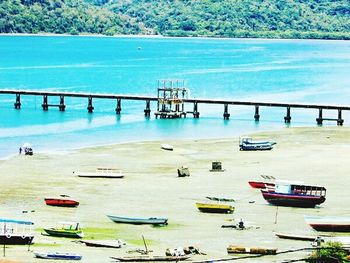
(329, 223)
(63, 201)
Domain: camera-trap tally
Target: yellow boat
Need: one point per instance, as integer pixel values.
(215, 208)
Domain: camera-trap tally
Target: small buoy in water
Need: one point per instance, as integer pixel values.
(139, 48)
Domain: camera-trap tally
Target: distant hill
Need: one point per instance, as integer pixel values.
(214, 18)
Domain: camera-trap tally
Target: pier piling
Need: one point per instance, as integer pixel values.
(119, 106)
(45, 104)
(61, 106)
(90, 108)
(226, 114)
(257, 115)
(195, 110)
(18, 101)
(147, 111)
(319, 120)
(340, 121)
(287, 118)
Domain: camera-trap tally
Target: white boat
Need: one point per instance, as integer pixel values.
(101, 173)
(167, 147)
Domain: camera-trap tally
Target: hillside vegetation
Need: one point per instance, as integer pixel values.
(220, 18)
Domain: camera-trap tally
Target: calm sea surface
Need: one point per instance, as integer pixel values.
(259, 70)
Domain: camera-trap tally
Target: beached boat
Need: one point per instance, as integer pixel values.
(215, 208)
(62, 201)
(295, 195)
(103, 243)
(220, 199)
(57, 255)
(167, 147)
(329, 223)
(16, 232)
(139, 220)
(101, 173)
(150, 258)
(66, 229)
(296, 237)
(248, 144)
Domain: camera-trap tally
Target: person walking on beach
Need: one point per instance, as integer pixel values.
(20, 150)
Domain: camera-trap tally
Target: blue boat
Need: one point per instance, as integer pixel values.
(57, 255)
(139, 221)
(247, 144)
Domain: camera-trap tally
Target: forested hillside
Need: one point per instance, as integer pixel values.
(219, 18)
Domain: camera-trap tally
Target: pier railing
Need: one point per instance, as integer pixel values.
(195, 101)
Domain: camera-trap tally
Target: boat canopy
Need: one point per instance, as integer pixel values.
(16, 221)
(285, 187)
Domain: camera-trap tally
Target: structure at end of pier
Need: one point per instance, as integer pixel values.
(171, 96)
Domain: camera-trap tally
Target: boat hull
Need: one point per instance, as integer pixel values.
(64, 233)
(215, 208)
(139, 221)
(61, 202)
(295, 237)
(16, 239)
(293, 200)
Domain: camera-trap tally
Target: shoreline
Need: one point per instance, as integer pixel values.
(169, 37)
(151, 188)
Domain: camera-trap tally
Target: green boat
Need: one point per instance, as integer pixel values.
(71, 230)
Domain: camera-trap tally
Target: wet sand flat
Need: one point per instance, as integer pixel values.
(316, 156)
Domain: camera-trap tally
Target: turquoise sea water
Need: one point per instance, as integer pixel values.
(260, 70)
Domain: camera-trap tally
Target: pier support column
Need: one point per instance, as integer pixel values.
(45, 104)
(319, 120)
(287, 118)
(340, 121)
(119, 106)
(147, 111)
(226, 114)
(257, 115)
(177, 107)
(195, 110)
(90, 108)
(62, 107)
(18, 101)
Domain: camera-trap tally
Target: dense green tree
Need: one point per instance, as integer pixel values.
(220, 18)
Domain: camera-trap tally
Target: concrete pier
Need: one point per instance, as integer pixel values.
(179, 108)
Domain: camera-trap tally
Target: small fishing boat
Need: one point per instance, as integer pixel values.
(57, 255)
(248, 144)
(16, 232)
(329, 223)
(167, 147)
(103, 243)
(294, 195)
(63, 201)
(139, 220)
(220, 199)
(101, 173)
(215, 208)
(296, 237)
(233, 249)
(150, 258)
(66, 229)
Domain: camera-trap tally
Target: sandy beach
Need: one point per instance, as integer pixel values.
(317, 156)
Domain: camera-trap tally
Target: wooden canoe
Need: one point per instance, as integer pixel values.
(64, 202)
(103, 243)
(139, 220)
(296, 237)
